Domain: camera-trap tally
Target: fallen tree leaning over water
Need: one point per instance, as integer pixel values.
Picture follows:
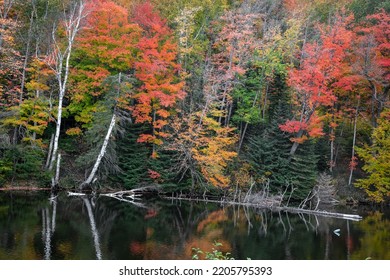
(273, 206)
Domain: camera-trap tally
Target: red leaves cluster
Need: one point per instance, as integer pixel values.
(292, 126)
(322, 65)
(153, 174)
(157, 69)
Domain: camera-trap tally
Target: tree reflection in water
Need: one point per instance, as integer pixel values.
(34, 227)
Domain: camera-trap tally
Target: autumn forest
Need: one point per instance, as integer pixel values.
(197, 96)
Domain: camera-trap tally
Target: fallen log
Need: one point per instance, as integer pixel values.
(274, 207)
(322, 213)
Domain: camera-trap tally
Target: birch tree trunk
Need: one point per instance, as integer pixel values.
(105, 143)
(331, 165)
(61, 68)
(353, 143)
(101, 154)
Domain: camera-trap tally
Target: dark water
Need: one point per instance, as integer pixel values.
(34, 227)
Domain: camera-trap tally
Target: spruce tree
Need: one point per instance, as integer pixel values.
(302, 170)
(137, 166)
(133, 158)
(268, 148)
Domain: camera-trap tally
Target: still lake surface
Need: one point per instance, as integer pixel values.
(33, 226)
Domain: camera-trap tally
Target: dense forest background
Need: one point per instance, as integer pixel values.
(197, 96)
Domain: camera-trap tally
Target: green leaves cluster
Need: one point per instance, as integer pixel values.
(215, 254)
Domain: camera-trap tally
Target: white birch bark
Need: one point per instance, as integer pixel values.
(72, 26)
(50, 151)
(57, 177)
(354, 142)
(105, 144)
(47, 234)
(102, 152)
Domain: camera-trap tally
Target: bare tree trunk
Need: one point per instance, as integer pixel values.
(29, 35)
(72, 26)
(354, 142)
(242, 136)
(295, 145)
(265, 101)
(331, 150)
(101, 154)
(50, 151)
(105, 143)
(57, 176)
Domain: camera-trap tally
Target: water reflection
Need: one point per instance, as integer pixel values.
(49, 225)
(94, 231)
(35, 227)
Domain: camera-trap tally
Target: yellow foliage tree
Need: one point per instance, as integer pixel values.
(377, 161)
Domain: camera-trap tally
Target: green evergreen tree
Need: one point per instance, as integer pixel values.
(138, 168)
(133, 158)
(268, 148)
(302, 170)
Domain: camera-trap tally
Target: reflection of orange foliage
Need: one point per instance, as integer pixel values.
(137, 248)
(209, 233)
(149, 232)
(150, 214)
(350, 243)
(215, 217)
(205, 243)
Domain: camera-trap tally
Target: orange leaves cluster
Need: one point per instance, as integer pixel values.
(314, 82)
(10, 63)
(157, 69)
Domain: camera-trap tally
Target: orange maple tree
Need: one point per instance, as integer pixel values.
(157, 69)
(105, 47)
(322, 64)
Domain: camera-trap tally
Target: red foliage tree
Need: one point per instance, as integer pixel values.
(314, 82)
(157, 69)
(372, 61)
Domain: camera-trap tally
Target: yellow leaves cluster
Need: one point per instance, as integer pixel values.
(209, 144)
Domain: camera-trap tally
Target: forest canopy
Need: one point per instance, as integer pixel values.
(196, 96)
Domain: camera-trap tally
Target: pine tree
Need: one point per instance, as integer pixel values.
(302, 170)
(138, 168)
(268, 149)
(133, 158)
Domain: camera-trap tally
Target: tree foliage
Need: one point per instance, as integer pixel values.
(376, 159)
(215, 94)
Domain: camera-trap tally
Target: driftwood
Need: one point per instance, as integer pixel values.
(129, 196)
(351, 217)
(275, 207)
